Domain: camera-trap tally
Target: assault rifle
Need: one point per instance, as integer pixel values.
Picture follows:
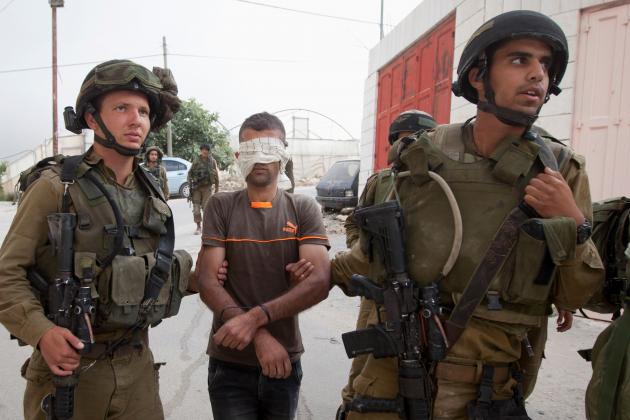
(412, 331)
(69, 305)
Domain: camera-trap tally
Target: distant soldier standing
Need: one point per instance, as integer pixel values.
(203, 174)
(153, 163)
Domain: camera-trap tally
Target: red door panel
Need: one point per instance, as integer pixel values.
(419, 78)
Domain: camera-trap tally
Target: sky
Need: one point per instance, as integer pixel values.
(236, 57)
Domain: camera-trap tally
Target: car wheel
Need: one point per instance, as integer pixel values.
(184, 190)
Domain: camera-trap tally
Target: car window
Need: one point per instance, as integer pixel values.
(180, 166)
(170, 165)
(340, 171)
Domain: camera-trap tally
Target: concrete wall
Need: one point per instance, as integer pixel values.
(556, 115)
(68, 145)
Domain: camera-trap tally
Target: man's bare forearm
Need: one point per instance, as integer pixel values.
(308, 292)
(211, 291)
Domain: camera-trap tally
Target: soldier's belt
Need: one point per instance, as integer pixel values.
(128, 346)
(469, 374)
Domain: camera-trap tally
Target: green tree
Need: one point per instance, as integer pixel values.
(192, 126)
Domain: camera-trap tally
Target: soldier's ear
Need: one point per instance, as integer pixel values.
(91, 122)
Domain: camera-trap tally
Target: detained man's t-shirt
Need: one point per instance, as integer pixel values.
(259, 241)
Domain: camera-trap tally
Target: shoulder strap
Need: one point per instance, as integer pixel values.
(68, 175)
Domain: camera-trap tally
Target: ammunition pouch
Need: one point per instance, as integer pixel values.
(122, 289)
(542, 245)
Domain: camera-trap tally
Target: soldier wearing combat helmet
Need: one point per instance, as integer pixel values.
(518, 243)
(152, 162)
(94, 236)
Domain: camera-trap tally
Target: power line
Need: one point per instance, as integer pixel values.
(267, 60)
(305, 12)
(6, 5)
(71, 65)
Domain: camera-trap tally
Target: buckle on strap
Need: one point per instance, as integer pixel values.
(157, 278)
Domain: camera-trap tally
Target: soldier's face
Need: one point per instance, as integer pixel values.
(205, 152)
(153, 156)
(519, 75)
(126, 115)
(263, 174)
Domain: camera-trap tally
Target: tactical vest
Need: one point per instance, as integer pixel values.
(154, 170)
(202, 171)
(120, 284)
(486, 190)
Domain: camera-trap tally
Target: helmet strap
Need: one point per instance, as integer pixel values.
(109, 141)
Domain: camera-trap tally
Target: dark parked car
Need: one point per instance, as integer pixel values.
(339, 187)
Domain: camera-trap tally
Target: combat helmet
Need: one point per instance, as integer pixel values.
(152, 148)
(411, 120)
(516, 24)
(159, 86)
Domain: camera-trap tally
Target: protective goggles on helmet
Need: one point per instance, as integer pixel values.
(116, 75)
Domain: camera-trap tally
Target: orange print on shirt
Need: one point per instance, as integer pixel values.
(290, 228)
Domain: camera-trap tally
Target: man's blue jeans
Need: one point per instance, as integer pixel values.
(239, 392)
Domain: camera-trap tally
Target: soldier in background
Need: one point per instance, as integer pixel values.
(202, 176)
(153, 163)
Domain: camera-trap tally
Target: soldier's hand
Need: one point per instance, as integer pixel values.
(550, 195)
(239, 331)
(272, 356)
(222, 273)
(299, 271)
(565, 320)
(59, 349)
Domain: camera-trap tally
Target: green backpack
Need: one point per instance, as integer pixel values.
(610, 235)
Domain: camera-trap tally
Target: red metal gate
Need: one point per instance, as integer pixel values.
(418, 78)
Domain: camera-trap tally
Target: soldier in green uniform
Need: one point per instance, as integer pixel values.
(609, 387)
(152, 162)
(525, 230)
(203, 174)
(405, 124)
(121, 250)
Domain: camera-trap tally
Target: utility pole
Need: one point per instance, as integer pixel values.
(382, 33)
(53, 5)
(169, 132)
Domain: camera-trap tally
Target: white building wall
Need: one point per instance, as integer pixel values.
(68, 145)
(556, 115)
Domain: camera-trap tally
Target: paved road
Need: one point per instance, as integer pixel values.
(181, 342)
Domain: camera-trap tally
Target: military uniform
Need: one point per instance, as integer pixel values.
(202, 176)
(157, 170)
(609, 387)
(486, 190)
(124, 382)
